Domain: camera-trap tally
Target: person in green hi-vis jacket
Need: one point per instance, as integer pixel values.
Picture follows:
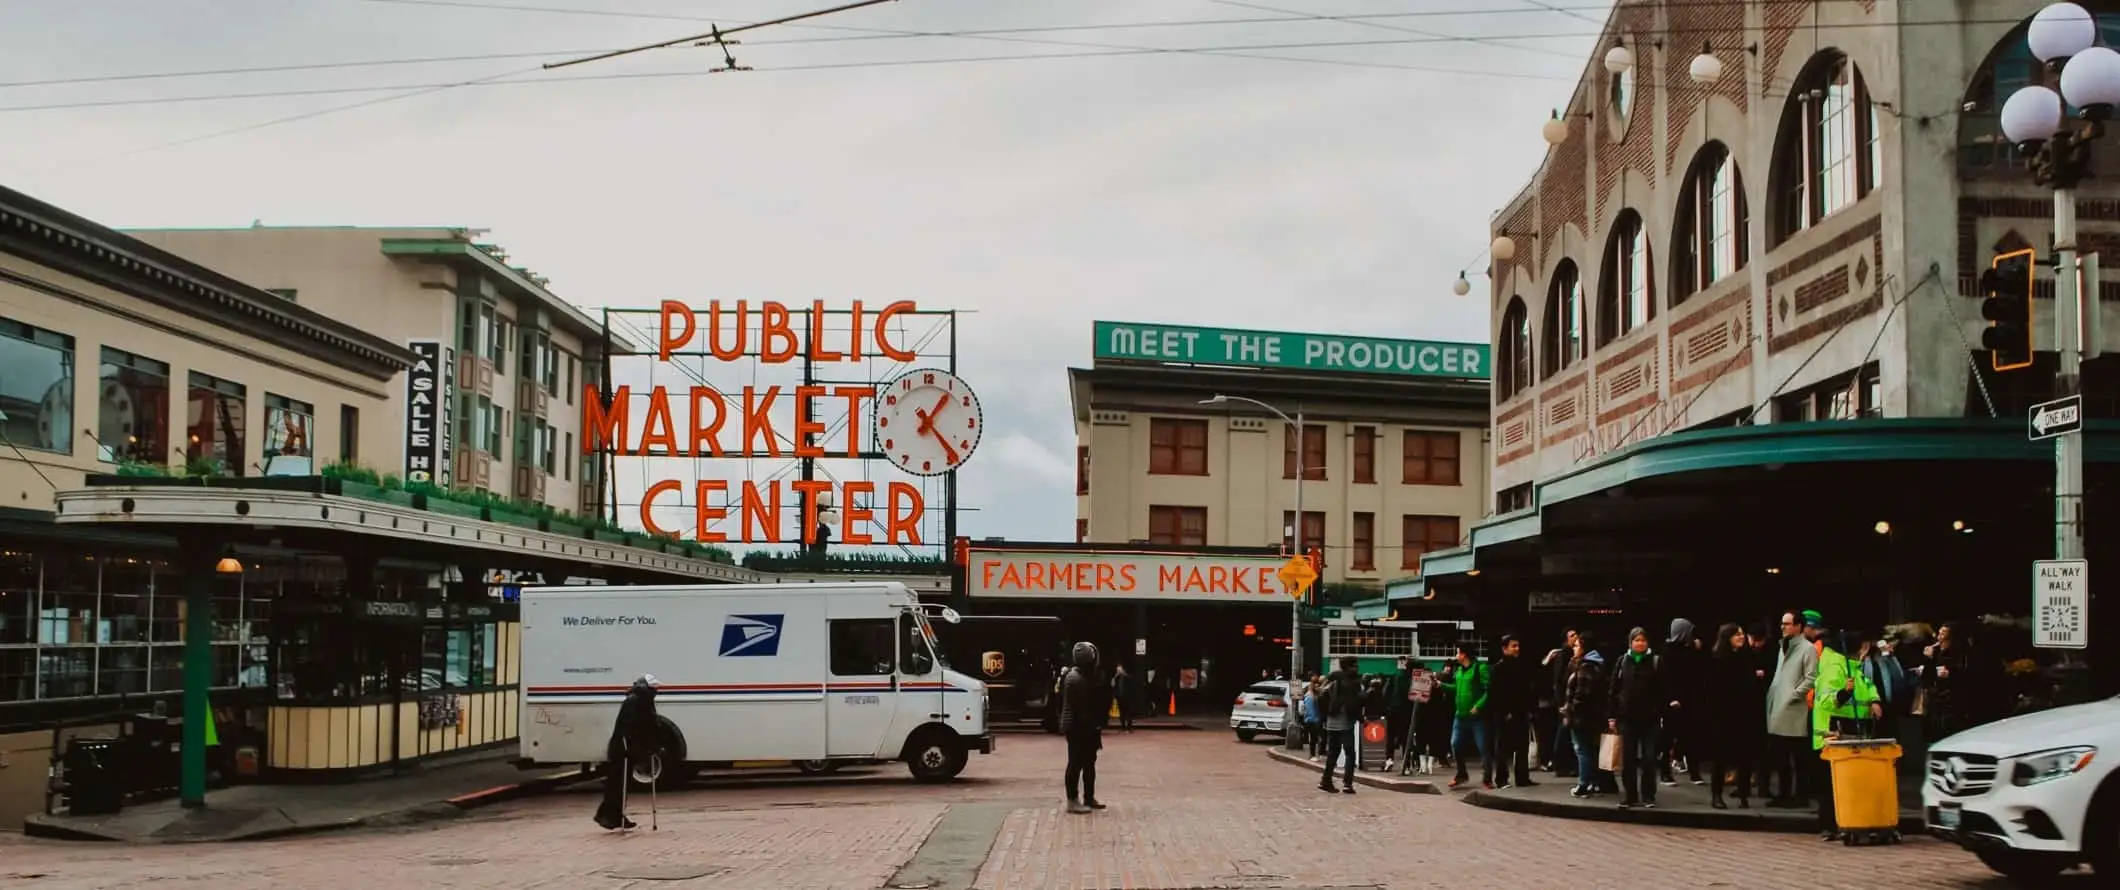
(1844, 700)
(1468, 733)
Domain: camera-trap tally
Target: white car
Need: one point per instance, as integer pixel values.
(1261, 708)
(2032, 795)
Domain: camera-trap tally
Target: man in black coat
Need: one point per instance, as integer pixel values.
(634, 741)
(1512, 696)
(1085, 704)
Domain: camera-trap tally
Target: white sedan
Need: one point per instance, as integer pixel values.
(1261, 708)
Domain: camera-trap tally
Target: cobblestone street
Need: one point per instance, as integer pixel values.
(1188, 810)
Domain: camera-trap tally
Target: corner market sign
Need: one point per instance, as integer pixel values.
(1125, 341)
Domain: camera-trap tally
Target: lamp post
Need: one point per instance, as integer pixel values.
(1295, 533)
(2064, 36)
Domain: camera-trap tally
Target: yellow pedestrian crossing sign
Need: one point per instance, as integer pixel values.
(1297, 575)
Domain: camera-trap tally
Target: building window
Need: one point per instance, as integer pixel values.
(215, 422)
(1081, 469)
(1710, 242)
(1625, 298)
(571, 362)
(1365, 455)
(1364, 542)
(1846, 396)
(1180, 526)
(567, 466)
(133, 421)
(36, 388)
(349, 433)
(1081, 531)
(1564, 331)
(287, 424)
(1515, 343)
(488, 426)
(1825, 153)
(1426, 534)
(1313, 458)
(547, 448)
(1512, 499)
(1431, 458)
(1177, 447)
(1313, 529)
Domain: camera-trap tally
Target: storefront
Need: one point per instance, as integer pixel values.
(1205, 621)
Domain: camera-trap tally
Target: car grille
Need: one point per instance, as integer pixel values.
(1961, 775)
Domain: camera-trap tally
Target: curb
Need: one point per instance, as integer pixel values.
(1788, 822)
(1387, 783)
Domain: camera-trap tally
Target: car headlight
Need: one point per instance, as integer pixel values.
(2046, 766)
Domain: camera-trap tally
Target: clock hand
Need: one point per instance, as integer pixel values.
(927, 421)
(949, 453)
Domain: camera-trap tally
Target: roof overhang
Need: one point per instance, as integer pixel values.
(512, 278)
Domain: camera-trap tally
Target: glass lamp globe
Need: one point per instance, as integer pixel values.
(2091, 81)
(1461, 287)
(2061, 31)
(1503, 249)
(2032, 114)
(1555, 131)
(1706, 68)
(1619, 59)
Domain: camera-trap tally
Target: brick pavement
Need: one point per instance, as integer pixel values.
(1189, 810)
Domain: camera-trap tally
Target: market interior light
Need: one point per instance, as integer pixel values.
(1472, 573)
(1619, 59)
(2060, 31)
(229, 565)
(2092, 82)
(1706, 68)
(2031, 116)
(1882, 527)
(1773, 570)
(1555, 130)
(1503, 249)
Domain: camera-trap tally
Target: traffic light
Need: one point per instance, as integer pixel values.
(2007, 305)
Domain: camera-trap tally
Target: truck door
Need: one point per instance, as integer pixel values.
(920, 680)
(861, 689)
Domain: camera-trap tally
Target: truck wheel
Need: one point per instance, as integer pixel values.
(935, 758)
(2018, 865)
(1246, 735)
(817, 767)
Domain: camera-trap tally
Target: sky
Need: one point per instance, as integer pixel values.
(1242, 176)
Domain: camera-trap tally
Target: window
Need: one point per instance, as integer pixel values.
(571, 362)
(1081, 469)
(1513, 498)
(1313, 529)
(133, 409)
(1427, 534)
(36, 388)
(349, 433)
(1365, 455)
(287, 424)
(1177, 447)
(863, 647)
(567, 466)
(1846, 396)
(1515, 343)
(1178, 526)
(1431, 458)
(916, 657)
(1825, 155)
(1710, 242)
(1565, 331)
(547, 448)
(486, 426)
(1081, 530)
(548, 367)
(1365, 542)
(1625, 298)
(496, 339)
(215, 421)
(1313, 458)
(1619, 95)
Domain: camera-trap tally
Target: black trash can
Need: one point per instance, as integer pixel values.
(152, 754)
(94, 777)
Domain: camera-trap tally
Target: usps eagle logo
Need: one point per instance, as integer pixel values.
(755, 636)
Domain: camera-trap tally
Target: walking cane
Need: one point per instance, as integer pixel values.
(654, 796)
(625, 784)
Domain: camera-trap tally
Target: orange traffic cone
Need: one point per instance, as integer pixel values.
(1174, 704)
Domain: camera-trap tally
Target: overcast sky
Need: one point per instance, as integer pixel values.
(1333, 188)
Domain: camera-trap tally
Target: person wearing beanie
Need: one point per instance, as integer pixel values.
(1085, 703)
(1641, 697)
(1788, 708)
(634, 744)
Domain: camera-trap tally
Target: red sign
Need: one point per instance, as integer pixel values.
(1373, 732)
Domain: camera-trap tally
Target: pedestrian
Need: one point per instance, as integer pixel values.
(1556, 752)
(1512, 701)
(1734, 727)
(1313, 722)
(1128, 692)
(1788, 709)
(1343, 712)
(1641, 697)
(1468, 733)
(1686, 657)
(1583, 712)
(1845, 704)
(1084, 706)
(1398, 718)
(633, 742)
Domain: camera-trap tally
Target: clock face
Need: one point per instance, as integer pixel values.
(928, 422)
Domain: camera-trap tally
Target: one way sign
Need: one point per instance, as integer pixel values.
(2056, 418)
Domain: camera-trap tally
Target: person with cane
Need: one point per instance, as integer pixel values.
(633, 740)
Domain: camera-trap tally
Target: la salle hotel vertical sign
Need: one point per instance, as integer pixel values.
(428, 386)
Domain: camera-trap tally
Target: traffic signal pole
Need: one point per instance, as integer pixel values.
(2068, 343)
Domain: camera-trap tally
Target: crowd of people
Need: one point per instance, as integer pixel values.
(1745, 712)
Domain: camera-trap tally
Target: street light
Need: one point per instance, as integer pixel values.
(1461, 286)
(2065, 36)
(1295, 534)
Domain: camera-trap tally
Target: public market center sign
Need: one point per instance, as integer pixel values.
(1178, 344)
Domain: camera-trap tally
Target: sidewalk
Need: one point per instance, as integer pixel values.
(1388, 781)
(1684, 806)
(257, 812)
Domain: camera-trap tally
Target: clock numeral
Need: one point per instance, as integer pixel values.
(965, 444)
(928, 379)
(905, 459)
(971, 423)
(906, 384)
(887, 445)
(882, 422)
(890, 400)
(927, 465)
(967, 401)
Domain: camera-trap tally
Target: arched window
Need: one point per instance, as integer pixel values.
(1626, 295)
(2010, 67)
(1515, 342)
(1711, 239)
(1563, 340)
(1826, 154)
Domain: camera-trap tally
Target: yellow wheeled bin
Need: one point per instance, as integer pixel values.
(1865, 789)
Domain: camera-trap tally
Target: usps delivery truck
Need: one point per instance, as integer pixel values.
(819, 674)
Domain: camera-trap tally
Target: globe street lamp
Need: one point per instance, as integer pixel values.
(1295, 533)
(2035, 118)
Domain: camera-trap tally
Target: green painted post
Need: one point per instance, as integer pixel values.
(198, 678)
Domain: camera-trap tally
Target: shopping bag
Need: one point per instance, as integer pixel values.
(1608, 752)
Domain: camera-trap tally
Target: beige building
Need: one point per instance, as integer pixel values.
(1393, 447)
(515, 357)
